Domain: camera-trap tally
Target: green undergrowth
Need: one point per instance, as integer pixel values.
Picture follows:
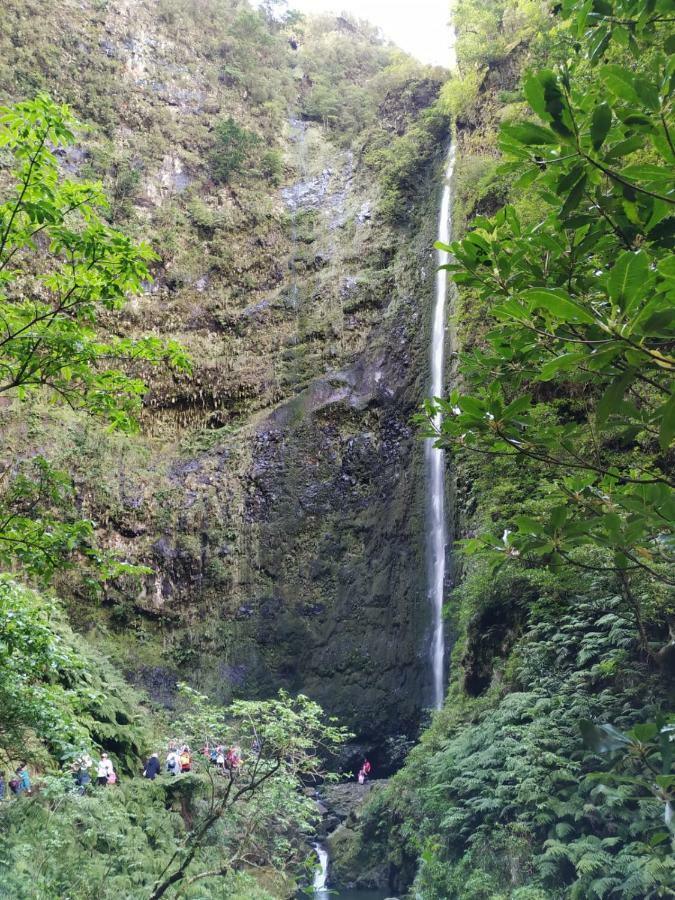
(58, 694)
(496, 800)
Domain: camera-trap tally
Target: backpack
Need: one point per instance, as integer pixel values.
(14, 785)
(185, 760)
(112, 778)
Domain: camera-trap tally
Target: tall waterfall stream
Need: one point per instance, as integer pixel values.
(437, 532)
(435, 462)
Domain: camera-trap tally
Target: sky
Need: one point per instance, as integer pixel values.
(417, 26)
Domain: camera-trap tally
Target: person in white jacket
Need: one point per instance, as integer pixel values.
(172, 762)
(104, 770)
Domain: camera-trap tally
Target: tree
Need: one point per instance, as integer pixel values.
(57, 695)
(642, 761)
(257, 802)
(63, 271)
(575, 372)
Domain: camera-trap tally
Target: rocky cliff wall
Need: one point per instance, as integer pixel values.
(276, 493)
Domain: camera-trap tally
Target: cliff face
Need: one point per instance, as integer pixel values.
(276, 493)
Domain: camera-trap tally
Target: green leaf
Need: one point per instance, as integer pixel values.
(628, 277)
(529, 134)
(526, 179)
(611, 398)
(561, 364)
(620, 82)
(528, 525)
(649, 173)
(601, 122)
(644, 732)
(517, 406)
(534, 92)
(559, 303)
(623, 148)
(647, 92)
(574, 197)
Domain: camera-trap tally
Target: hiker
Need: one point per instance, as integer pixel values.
(361, 777)
(220, 758)
(105, 774)
(366, 768)
(233, 759)
(185, 759)
(2, 786)
(82, 779)
(24, 779)
(152, 767)
(172, 762)
(81, 767)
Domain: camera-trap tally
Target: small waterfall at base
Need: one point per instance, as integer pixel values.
(321, 875)
(435, 464)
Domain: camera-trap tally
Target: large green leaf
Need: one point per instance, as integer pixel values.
(627, 280)
(601, 122)
(529, 134)
(620, 82)
(559, 303)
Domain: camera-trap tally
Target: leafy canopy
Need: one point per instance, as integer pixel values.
(56, 695)
(253, 813)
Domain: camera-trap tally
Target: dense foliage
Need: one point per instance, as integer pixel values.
(58, 699)
(583, 303)
(502, 799)
(57, 695)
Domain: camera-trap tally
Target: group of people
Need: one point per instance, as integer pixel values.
(19, 783)
(179, 759)
(82, 766)
(364, 772)
(225, 759)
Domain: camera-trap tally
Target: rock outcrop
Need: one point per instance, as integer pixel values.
(276, 492)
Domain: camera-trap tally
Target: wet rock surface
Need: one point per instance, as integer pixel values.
(352, 866)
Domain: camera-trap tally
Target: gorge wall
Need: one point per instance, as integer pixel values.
(276, 493)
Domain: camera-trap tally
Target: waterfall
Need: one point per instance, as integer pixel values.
(321, 874)
(435, 465)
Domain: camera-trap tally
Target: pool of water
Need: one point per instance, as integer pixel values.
(361, 895)
(329, 894)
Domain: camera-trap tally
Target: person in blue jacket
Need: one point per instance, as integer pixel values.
(23, 775)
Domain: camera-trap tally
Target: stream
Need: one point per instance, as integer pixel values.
(321, 891)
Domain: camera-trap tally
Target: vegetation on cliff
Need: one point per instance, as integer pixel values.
(291, 252)
(561, 432)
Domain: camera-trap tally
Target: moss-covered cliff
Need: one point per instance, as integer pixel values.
(286, 173)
